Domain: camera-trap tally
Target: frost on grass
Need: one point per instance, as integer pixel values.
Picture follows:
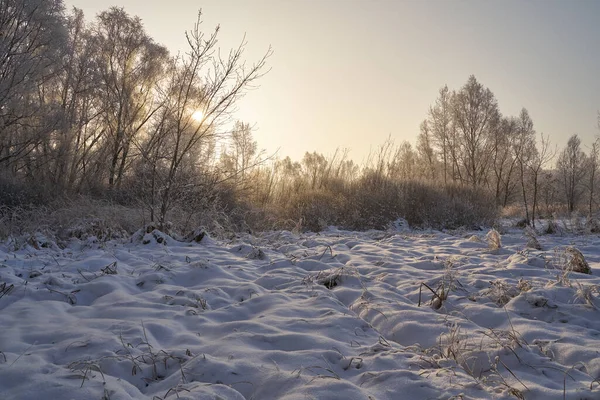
(576, 261)
(494, 240)
(532, 240)
(567, 260)
(552, 227)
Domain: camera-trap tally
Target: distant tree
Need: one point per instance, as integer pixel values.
(290, 178)
(380, 163)
(541, 157)
(266, 184)
(503, 161)
(402, 163)
(592, 163)
(441, 125)
(336, 166)
(524, 151)
(571, 167)
(240, 156)
(425, 151)
(476, 117)
(549, 191)
(314, 166)
(592, 167)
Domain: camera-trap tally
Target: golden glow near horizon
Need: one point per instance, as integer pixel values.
(351, 73)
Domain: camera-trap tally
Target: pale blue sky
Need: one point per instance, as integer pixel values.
(350, 73)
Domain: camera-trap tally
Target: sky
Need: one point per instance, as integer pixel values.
(351, 73)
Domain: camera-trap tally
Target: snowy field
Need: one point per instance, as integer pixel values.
(336, 315)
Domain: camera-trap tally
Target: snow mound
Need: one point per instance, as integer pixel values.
(371, 315)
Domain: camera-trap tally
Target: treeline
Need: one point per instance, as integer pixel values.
(469, 163)
(99, 109)
(466, 140)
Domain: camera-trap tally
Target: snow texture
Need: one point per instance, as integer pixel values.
(337, 315)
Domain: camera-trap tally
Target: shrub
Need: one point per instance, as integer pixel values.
(372, 203)
(317, 209)
(593, 225)
(15, 193)
(449, 207)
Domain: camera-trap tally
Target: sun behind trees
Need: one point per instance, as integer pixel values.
(98, 113)
(117, 116)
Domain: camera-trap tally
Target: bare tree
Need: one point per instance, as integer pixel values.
(240, 158)
(201, 83)
(476, 116)
(130, 65)
(524, 150)
(402, 166)
(571, 168)
(441, 124)
(591, 166)
(290, 180)
(77, 86)
(314, 166)
(425, 151)
(541, 157)
(32, 37)
(503, 161)
(549, 190)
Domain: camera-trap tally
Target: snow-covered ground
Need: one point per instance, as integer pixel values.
(336, 315)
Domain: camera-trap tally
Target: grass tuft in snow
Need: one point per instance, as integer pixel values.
(439, 296)
(593, 225)
(576, 261)
(585, 293)
(551, 228)
(532, 241)
(566, 261)
(5, 289)
(494, 240)
(500, 292)
(83, 369)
